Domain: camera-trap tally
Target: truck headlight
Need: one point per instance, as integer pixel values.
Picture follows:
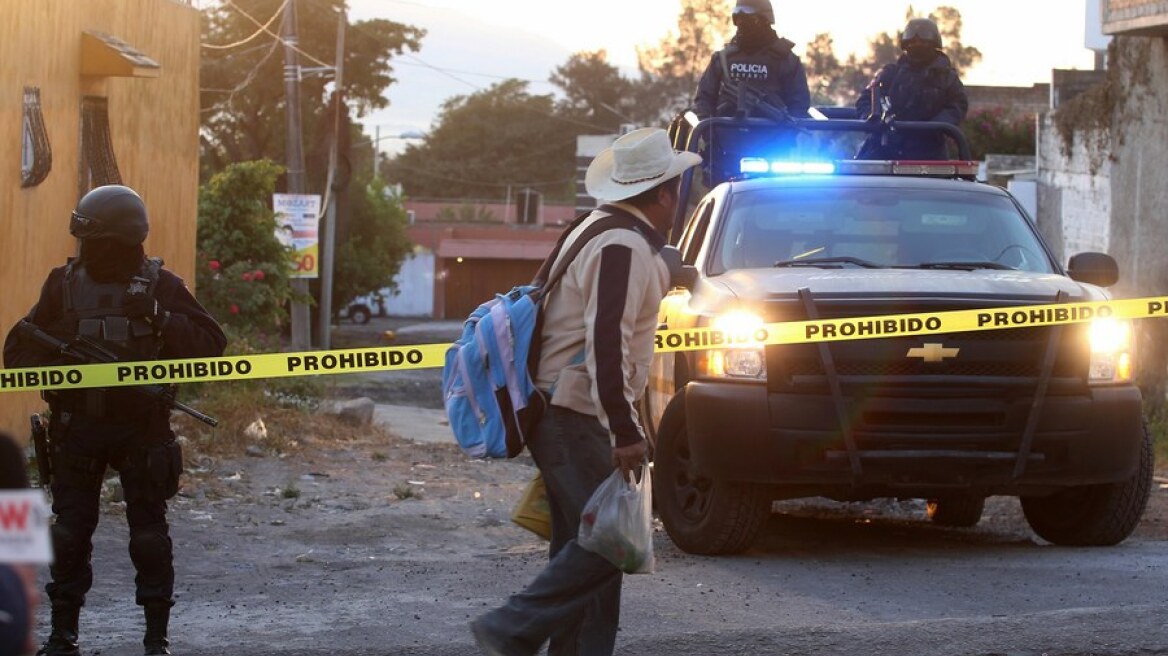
(1111, 351)
(747, 361)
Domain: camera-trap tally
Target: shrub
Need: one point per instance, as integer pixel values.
(999, 131)
(242, 274)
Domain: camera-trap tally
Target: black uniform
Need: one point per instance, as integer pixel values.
(93, 429)
(765, 63)
(771, 68)
(927, 91)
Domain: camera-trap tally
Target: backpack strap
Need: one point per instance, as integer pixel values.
(545, 281)
(617, 218)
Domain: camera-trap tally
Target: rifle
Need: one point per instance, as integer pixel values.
(751, 102)
(87, 351)
(40, 445)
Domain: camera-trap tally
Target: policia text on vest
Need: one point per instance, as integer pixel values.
(425, 356)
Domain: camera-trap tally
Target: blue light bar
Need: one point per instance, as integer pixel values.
(758, 165)
(819, 168)
(753, 165)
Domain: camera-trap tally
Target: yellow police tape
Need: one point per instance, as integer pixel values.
(425, 356)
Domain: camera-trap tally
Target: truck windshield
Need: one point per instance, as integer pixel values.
(895, 228)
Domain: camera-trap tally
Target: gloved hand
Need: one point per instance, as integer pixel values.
(145, 307)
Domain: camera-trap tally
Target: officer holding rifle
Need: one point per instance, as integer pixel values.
(111, 301)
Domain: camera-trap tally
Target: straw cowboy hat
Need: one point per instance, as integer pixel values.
(636, 162)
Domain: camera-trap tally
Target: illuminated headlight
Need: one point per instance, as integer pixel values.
(747, 361)
(1111, 351)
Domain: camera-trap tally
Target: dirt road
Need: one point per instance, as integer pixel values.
(380, 545)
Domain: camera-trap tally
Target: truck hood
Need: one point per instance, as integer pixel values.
(961, 288)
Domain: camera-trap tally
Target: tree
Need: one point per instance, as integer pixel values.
(841, 84)
(488, 142)
(670, 70)
(949, 22)
(595, 91)
(242, 96)
(376, 247)
(825, 72)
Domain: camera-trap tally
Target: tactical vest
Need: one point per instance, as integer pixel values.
(96, 310)
(765, 70)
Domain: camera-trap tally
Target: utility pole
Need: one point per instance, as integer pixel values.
(327, 246)
(376, 151)
(301, 317)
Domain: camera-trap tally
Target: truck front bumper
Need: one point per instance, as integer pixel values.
(905, 443)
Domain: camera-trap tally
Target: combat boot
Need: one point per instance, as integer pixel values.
(63, 637)
(157, 620)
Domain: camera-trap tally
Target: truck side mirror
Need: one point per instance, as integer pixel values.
(680, 275)
(1094, 268)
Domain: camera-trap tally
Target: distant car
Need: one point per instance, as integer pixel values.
(361, 309)
(1049, 414)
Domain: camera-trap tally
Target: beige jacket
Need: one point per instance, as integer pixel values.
(599, 325)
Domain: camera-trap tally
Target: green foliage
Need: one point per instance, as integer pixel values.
(376, 245)
(242, 275)
(999, 131)
(242, 97)
(833, 82)
(595, 92)
(493, 140)
(671, 69)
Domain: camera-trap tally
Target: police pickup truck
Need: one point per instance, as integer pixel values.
(1048, 414)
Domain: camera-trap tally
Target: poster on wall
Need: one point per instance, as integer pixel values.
(297, 222)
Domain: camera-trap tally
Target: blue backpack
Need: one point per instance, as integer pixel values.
(491, 400)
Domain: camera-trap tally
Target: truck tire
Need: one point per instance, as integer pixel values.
(958, 511)
(1094, 515)
(702, 515)
(359, 314)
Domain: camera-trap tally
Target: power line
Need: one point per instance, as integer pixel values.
(277, 37)
(251, 75)
(450, 74)
(478, 183)
(258, 32)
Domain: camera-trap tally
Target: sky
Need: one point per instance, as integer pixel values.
(471, 44)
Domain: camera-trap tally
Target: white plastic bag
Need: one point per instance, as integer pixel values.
(617, 523)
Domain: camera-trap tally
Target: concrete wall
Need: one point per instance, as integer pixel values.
(1109, 191)
(1145, 17)
(1021, 100)
(1139, 191)
(1074, 190)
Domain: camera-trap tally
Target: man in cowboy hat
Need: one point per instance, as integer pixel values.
(597, 343)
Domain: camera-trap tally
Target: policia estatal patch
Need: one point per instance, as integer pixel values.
(369, 360)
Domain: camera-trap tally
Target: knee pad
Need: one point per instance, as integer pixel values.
(150, 547)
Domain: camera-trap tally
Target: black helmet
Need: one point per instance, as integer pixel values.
(920, 29)
(760, 7)
(113, 212)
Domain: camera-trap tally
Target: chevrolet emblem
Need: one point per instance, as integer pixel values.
(932, 352)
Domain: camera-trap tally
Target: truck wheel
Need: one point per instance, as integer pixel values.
(1094, 515)
(702, 515)
(961, 511)
(359, 314)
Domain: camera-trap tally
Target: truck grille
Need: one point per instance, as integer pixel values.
(1008, 357)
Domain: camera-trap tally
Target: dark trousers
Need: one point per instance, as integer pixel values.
(575, 601)
(82, 452)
